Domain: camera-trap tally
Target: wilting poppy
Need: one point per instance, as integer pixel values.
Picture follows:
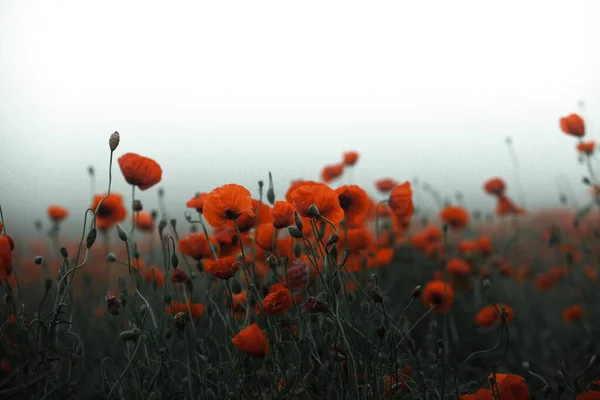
(331, 172)
(252, 341)
(573, 313)
(322, 196)
(401, 202)
(278, 301)
(355, 202)
(282, 214)
(140, 171)
(195, 245)
(385, 185)
(573, 125)
(224, 268)
(455, 217)
(439, 294)
(57, 213)
(176, 307)
(110, 212)
(586, 147)
(144, 221)
(350, 158)
(227, 203)
(197, 202)
(6, 247)
(488, 315)
(495, 186)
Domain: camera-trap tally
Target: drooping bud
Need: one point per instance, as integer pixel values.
(91, 238)
(333, 239)
(121, 233)
(313, 211)
(114, 140)
(298, 221)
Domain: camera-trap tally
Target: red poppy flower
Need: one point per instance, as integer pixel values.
(350, 158)
(149, 273)
(355, 202)
(573, 313)
(331, 172)
(295, 185)
(586, 147)
(57, 213)
(322, 196)
(356, 239)
(458, 267)
(252, 341)
(176, 307)
(282, 214)
(467, 248)
(510, 386)
(140, 171)
(396, 382)
(261, 215)
(438, 293)
(197, 202)
(195, 245)
(506, 207)
(573, 125)
(227, 203)
(385, 185)
(6, 247)
(484, 245)
(455, 217)
(278, 301)
(488, 315)
(384, 257)
(144, 221)
(224, 268)
(110, 212)
(401, 202)
(264, 236)
(495, 186)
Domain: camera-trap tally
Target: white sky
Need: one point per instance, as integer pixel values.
(221, 92)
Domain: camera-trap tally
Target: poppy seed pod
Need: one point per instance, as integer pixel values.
(114, 140)
(137, 206)
(121, 233)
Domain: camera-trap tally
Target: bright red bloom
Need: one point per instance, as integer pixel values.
(356, 239)
(224, 268)
(278, 301)
(467, 248)
(149, 273)
(140, 171)
(455, 217)
(227, 203)
(396, 382)
(573, 313)
(322, 196)
(176, 307)
(385, 185)
(282, 214)
(265, 233)
(586, 147)
(295, 185)
(197, 201)
(57, 213)
(401, 202)
(510, 386)
(484, 245)
(458, 267)
(494, 186)
(573, 125)
(110, 212)
(331, 172)
(196, 246)
(252, 341)
(438, 293)
(350, 158)
(355, 202)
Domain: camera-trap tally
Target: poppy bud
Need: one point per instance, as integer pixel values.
(173, 222)
(7, 298)
(188, 216)
(38, 260)
(272, 261)
(333, 252)
(313, 211)
(486, 284)
(314, 305)
(130, 335)
(162, 224)
(121, 233)
(91, 238)
(261, 184)
(112, 257)
(161, 191)
(113, 142)
(137, 206)
(143, 309)
(298, 221)
(174, 260)
(586, 180)
(64, 252)
(154, 214)
(525, 365)
(295, 232)
(91, 170)
(416, 292)
(112, 304)
(297, 250)
(271, 196)
(333, 239)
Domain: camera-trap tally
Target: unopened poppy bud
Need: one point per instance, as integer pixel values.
(112, 304)
(416, 292)
(161, 191)
(7, 298)
(91, 238)
(112, 257)
(261, 184)
(381, 332)
(38, 260)
(313, 211)
(486, 284)
(188, 216)
(271, 196)
(295, 232)
(137, 206)
(333, 239)
(586, 180)
(154, 215)
(121, 233)
(525, 365)
(297, 250)
(272, 261)
(298, 221)
(162, 224)
(173, 222)
(174, 260)
(91, 170)
(114, 140)
(333, 252)
(64, 252)
(130, 335)
(314, 305)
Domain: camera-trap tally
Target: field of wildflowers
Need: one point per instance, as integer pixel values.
(313, 291)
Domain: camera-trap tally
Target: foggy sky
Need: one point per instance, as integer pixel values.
(220, 92)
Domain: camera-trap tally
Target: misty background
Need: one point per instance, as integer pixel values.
(223, 92)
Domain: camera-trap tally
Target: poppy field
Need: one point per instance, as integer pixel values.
(323, 289)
